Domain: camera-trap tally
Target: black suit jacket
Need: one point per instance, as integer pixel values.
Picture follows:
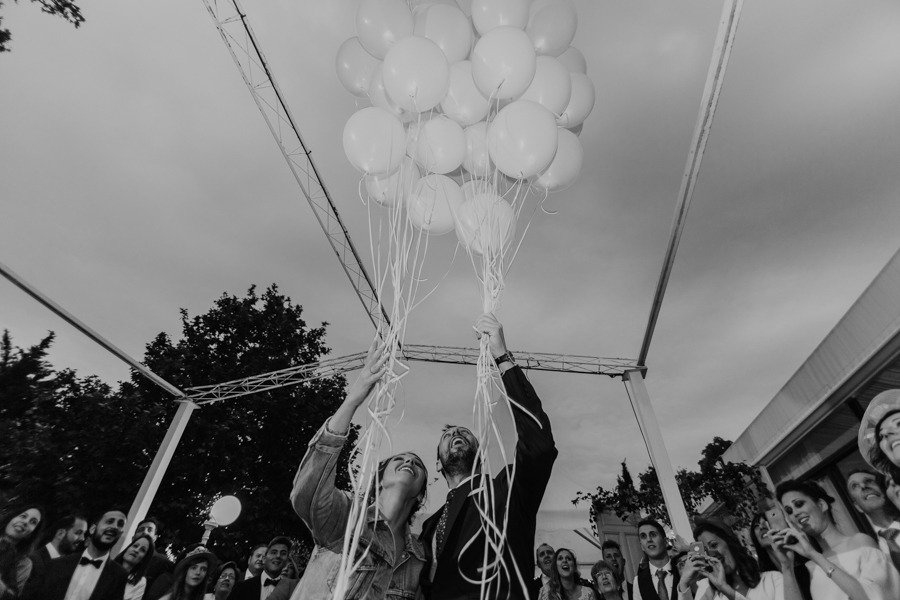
(159, 564)
(535, 453)
(58, 574)
(40, 558)
(247, 589)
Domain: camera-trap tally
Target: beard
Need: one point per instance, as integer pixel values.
(99, 544)
(68, 547)
(457, 462)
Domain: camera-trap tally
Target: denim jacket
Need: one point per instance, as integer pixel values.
(326, 510)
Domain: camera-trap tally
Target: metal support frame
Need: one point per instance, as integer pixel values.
(231, 21)
(157, 469)
(659, 456)
(536, 361)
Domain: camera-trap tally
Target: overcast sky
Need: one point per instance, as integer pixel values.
(137, 177)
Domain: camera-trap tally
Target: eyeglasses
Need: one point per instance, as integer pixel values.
(230, 576)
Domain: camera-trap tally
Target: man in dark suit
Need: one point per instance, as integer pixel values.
(656, 578)
(454, 537)
(261, 586)
(67, 537)
(160, 563)
(543, 558)
(612, 555)
(89, 575)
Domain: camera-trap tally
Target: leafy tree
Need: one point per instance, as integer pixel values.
(68, 10)
(736, 486)
(91, 445)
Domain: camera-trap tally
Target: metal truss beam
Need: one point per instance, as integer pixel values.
(231, 21)
(536, 361)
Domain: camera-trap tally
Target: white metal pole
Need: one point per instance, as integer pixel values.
(157, 470)
(659, 456)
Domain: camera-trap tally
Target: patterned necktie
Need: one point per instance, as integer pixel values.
(661, 590)
(441, 533)
(890, 535)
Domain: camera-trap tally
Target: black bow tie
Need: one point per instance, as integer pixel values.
(94, 563)
(270, 582)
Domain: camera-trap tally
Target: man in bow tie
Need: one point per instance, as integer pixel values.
(454, 537)
(262, 586)
(88, 575)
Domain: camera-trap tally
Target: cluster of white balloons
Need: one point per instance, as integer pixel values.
(459, 89)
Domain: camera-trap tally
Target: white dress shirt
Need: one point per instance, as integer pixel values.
(265, 590)
(670, 581)
(52, 551)
(84, 579)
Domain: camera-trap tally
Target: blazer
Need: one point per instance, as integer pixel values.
(58, 574)
(249, 589)
(535, 454)
(39, 560)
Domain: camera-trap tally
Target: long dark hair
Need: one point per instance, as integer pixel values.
(557, 592)
(762, 554)
(745, 565)
(11, 553)
(177, 589)
(141, 568)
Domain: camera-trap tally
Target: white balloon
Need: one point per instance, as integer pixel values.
(566, 165)
(374, 140)
(354, 67)
(573, 60)
(503, 63)
(440, 145)
(416, 74)
(388, 190)
(522, 139)
(446, 26)
(378, 97)
(478, 159)
(580, 104)
(463, 102)
(382, 23)
(432, 204)
(551, 25)
(490, 14)
(485, 222)
(551, 86)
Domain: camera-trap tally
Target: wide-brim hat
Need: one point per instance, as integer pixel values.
(883, 404)
(202, 553)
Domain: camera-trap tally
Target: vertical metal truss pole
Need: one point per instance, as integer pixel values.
(231, 21)
(659, 456)
(157, 470)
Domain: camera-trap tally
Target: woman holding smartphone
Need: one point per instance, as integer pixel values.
(848, 566)
(725, 570)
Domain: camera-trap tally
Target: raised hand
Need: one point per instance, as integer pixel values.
(487, 324)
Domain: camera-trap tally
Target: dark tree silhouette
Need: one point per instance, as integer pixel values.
(75, 442)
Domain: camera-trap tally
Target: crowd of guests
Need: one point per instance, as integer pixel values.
(798, 552)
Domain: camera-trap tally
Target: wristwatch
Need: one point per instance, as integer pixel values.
(508, 357)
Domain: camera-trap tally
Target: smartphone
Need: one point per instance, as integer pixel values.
(698, 549)
(775, 519)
